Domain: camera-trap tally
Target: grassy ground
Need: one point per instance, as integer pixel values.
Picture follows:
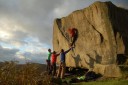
(100, 81)
(112, 82)
(11, 73)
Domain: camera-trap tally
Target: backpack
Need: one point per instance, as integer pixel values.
(90, 75)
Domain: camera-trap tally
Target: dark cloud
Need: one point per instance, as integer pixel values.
(7, 54)
(36, 57)
(32, 15)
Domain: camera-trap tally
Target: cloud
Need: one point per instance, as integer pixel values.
(34, 57)
(7, 54)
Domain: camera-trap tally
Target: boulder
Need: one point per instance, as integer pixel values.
(101, 35)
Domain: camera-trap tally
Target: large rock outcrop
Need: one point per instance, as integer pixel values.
(102, 35)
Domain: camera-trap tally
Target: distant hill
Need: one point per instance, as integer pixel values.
(40, 67)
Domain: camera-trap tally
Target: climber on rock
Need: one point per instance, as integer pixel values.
(73, 33)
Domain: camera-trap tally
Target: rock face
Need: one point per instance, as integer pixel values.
(102, 35)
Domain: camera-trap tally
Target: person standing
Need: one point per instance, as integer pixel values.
(49, 61)
(53, 62)
(62, 66)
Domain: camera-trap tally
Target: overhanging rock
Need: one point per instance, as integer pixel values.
(102, 34)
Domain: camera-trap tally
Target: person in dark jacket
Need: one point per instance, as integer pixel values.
(62, 66)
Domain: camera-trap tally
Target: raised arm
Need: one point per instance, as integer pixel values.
(57, 54)
(68, 50)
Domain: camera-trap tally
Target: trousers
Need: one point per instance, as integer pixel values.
(61, 71)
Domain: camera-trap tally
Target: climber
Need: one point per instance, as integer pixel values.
(53, 62)
(73, 35)
(48, 61)
(62, 66)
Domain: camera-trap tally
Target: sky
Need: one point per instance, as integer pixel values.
(26, 26)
